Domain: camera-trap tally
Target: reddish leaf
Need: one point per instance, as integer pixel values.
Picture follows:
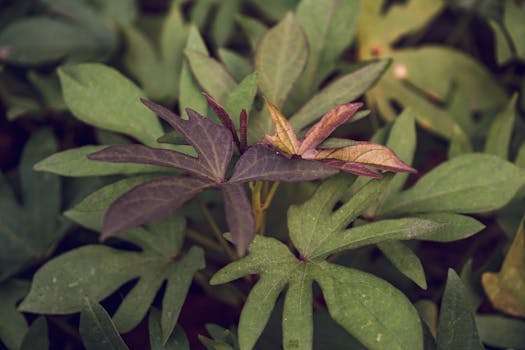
(225, 119)
(262, 163)
(351, 167)
(328, 123)
(146, 155)
(244, 130)
(284, 138)
(239, 216)
(366, 153)
(212, 142)
(150, 201)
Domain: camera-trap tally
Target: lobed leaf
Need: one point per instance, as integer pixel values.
(177, 340)
(239, 216)
(405, 261)
(150, 201)
(261, 163)
(212, 142)
(284, 138)
(152, 156)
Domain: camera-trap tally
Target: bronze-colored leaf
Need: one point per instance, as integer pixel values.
(284, 138)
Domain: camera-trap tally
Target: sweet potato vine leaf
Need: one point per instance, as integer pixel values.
(354, 298)
(357, 158)
(157, 198)
(62, 284)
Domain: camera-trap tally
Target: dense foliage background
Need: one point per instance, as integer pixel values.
(442, 85)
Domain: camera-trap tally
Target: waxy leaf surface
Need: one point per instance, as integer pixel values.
(97, 330)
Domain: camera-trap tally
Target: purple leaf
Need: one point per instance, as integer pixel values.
(212, 142)
(146, 155)
(150, 201)
(239, 216)
(261, 163)
(243, 130)
(225, 119)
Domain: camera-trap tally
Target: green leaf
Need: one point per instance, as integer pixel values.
(237, 65)
(224, 21)
(352, 297)
(43, 39)
(101, 96)
(356, 298)
(13, 325)
(252, 28)
(470, 183)
(501, 332)
(342, 90)
(405, 261)
(123, 11)
(402, 140)
(74, 162)
(280, 58)
(36, 337)
(190, 93)
(176, 341)
(222, 339)
(29, 231)
(505, 288)
(97, 330)
(242, 97)
(90, 211)
(61, 285)
(211, 75)
(509, 35)
(456, 328)
(500, 132)
(329, 27)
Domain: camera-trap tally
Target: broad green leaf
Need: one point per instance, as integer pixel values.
(457, 327)
(190, 93)
(241, 97)
(352, 297)
(280, 58)
(405, 261)
(61, 285)
(211, 75)
(123, 11)
(45, 39)
(13, 325)
(342, 90)
(505, 288)
(224, 21)
(176, 341)
(329, 27)
(48, 87)
(356, 298)
(222, 339)
(200, 12)
(101, 96)
(238, 66)
(501, 332)
(500, 132)
(252, 28)
(29, 231)
(470, 183)
(74, 162)
(275, 9)
(515, 30)
(36, 337)
(402, 140)
(97, 330)
(90, 211)
(428, 311)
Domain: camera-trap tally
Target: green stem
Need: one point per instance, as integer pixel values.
(203, 241)
(216, 230)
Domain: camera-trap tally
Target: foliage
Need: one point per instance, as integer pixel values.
(318, 174)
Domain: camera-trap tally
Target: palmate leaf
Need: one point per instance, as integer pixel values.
(357, 158)
(157, 198)
(61, 285)
(354, 298)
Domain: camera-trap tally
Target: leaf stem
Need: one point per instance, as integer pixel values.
(203, 241)
(262, 196)
(216, 230)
